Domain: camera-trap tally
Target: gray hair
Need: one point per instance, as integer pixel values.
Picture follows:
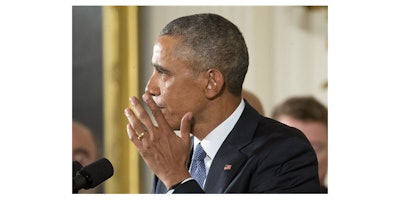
(210, 41)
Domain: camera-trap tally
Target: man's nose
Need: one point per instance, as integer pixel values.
(152, 86)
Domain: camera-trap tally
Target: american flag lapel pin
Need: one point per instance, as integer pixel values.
(227, 167)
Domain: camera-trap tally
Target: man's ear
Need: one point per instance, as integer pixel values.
(215, 83)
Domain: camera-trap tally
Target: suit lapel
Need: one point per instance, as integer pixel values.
(223, 169)
(229, 158)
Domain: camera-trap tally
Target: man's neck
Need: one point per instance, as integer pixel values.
(218, 110)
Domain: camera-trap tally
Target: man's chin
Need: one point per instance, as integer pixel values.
(173, 123)
(175, 127)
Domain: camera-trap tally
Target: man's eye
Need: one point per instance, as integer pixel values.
(160, 71)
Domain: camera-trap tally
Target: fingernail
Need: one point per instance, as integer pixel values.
(133, 100)
(126, 111)
(145, 97)
(190, 116)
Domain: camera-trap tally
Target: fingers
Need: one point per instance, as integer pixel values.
(141, 114)
(136, 124)
(186, 125)
(132, 136)
(135, 128)
(141, 124)
(155, 110)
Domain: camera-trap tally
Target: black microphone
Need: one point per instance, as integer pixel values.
(92, 175)
(76, 166)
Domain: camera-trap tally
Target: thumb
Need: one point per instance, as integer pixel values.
(186, 125)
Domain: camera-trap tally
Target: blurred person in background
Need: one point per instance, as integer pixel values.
(311, 117)
(84, 148)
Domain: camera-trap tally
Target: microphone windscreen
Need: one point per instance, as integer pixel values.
(76, 166)
(97, 172)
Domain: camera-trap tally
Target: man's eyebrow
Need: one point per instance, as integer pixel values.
(161, 69)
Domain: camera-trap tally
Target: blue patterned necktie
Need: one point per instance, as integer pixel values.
(197, 167)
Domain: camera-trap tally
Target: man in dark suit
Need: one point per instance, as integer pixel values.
(200, 62)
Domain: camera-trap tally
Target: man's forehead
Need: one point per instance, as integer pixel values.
(157, 48)
(167, 41)
(164, 46)
(170, 46)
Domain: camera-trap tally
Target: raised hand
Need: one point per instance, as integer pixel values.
(166, 153)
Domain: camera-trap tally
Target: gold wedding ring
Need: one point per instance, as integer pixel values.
(140, 136)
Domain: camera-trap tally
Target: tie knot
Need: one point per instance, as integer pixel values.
(199, 153)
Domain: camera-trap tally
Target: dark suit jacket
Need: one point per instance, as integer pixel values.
(265, 156)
